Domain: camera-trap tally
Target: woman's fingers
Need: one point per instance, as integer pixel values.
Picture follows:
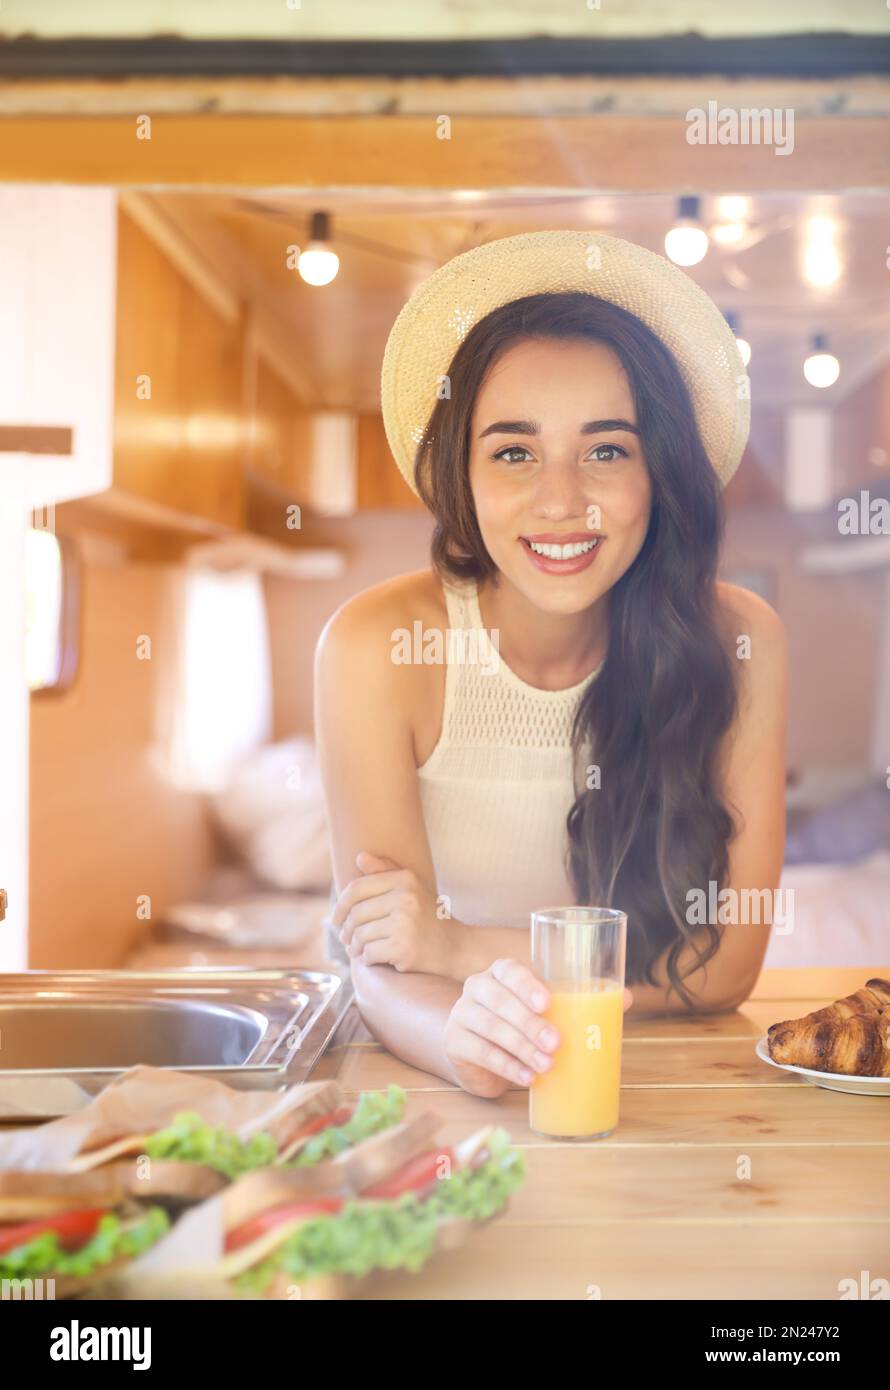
(377, 929)
(470, 1048)
(496, 1029)
(371, 910)
(504, 1000)
(377, 952)
(521, 980)
(359, 890)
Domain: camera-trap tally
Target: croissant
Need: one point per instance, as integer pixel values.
(874, 995)
(850, 1036)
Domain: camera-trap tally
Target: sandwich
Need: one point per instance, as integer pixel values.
(109, 1205)
(71, 1228)
(387, 1203)
(190, 1160)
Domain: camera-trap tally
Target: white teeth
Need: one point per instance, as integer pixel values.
(564, 552)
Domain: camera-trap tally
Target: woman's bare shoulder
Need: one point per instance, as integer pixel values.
(366, 626)
(745, 614)
(372, 615)
(355, 657)
(755, 635)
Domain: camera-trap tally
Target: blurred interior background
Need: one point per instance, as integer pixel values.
(194, 472)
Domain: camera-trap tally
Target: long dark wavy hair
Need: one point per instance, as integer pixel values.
(654, 827)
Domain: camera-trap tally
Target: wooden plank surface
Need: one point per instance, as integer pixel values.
(725, 1178)
(642, 1259)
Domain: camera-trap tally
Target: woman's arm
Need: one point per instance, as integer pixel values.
(486, 1035)
(363, 729)
(752, 770)
(366, 753)
(715, 988)
(407, 1013)
(751, 767)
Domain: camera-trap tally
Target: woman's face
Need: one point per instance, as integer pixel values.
(555, 460)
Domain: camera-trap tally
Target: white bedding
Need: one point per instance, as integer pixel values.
(841, 914)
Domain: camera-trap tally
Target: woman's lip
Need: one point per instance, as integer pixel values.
(570, 566)
(569, 538)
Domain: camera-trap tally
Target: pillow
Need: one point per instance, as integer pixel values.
(272, 811)
(850, 828)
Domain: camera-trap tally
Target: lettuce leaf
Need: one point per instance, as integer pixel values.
(189, 1139)
(45, 1256)
(375, 1111)
(395, 1234)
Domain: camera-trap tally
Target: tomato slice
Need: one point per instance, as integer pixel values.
(73, 1228)
(257, 1226)
(336, 1117)
(413, 1176)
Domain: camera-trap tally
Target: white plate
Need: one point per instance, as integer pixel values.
(831, 1080)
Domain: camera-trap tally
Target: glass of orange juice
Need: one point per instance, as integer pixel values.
(579, 954)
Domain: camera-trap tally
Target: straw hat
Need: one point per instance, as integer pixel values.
(442, 310)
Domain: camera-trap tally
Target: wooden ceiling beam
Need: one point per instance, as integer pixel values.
(601, 152)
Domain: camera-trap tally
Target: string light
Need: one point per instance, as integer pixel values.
(319, 264)
(687, 241)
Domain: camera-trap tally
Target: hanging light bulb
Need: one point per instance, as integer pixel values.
(732, 224)
(821, 262)
(821, 367)
(742, 344)
(733, 208)
(687, 241)
(728, 233)
(318, 264)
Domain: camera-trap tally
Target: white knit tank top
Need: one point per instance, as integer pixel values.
(498, 785)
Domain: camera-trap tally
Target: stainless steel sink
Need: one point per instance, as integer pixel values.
(63, 1036)
(49, 1034)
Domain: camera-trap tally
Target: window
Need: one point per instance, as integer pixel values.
(51, 611)
(220, 701)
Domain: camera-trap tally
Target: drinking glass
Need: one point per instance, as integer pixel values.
(579, 954)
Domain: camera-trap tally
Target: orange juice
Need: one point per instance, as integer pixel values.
(578, 1096)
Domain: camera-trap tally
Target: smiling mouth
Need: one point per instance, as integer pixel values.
(569, 550)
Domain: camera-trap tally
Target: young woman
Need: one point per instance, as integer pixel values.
(625, 746)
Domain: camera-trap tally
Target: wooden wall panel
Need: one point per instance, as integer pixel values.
(106, 825)
(380, 484)
(184, 446)
(281, 438)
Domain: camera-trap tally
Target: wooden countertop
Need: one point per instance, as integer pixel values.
(724, 1179)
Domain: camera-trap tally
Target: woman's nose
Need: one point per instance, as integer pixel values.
(559, 493)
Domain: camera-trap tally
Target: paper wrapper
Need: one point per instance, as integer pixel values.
(182, 1263)
(145, 1099)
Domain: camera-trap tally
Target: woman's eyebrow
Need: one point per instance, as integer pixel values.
(533, 427)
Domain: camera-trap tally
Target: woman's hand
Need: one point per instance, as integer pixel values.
(388, 917)
(496, 1036)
